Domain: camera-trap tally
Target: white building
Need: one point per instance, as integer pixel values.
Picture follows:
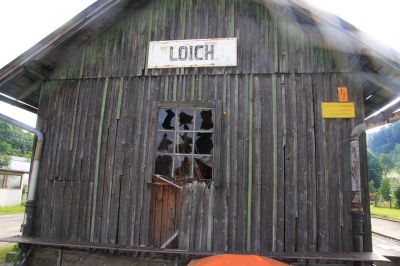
(12, 181)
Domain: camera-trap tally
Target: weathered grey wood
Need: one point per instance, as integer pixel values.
(65, 135)
(139, 174)
(166, 24)
(129, 109)
(311, 161)
(99, 178)
(321, 154)
(207, 217)
(218, 118)
(302, 184)
(125, 195)
(266, 162)
(281, 101)
(257, 165)
(331, 256)
(278, 147)
(233, 125)
(291, 167)
(56, 219)
(110, 123)
(220, 191)
(243, 167)
(134, 170)
(46, 213)
(303, 128)
(146, 190)
(66, 211)
(121, 128)
(56, 128)
(193, 214)
(78, 232)
(80, 125)
(334, 170)
(90, 135)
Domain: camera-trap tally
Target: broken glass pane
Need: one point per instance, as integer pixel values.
(166, 119)
(204, 120)
(185, 142)
(204, 143)
(163, 165)
(202, 168)
(183, 167)
(165, 141)
(185, 119)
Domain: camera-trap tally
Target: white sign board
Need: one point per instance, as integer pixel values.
(192, 53)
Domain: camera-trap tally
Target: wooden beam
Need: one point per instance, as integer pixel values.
(332, 256)
(168, 181)
(36, 70)
(170, 239)
(28, 91)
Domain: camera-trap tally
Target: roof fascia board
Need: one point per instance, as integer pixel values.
(19, 104)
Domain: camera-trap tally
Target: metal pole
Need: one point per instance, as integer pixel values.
(357, 210)
(30, 207)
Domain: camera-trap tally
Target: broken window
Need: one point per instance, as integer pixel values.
(184, 145)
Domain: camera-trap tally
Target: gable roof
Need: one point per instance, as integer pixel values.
(21, 79)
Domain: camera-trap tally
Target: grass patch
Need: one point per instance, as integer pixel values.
(4, 250)
(388, 213)
(12, 210)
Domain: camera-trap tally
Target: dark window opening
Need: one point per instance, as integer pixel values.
(185, 141)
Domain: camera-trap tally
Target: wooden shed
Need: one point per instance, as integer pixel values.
(155, 164)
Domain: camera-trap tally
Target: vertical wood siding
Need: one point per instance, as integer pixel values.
(96, 114)
(122, 49)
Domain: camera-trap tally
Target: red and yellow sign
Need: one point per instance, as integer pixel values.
(343, 94)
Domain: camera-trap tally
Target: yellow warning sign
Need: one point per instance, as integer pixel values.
(338, 110)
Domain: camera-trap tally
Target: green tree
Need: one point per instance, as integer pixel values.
(5, 160)
(386, 162)
(385, 139)
(14, 140)
(396, 157)
(372, 187)
(5, 148)
(374, 169)
(384, 189)
(397, 197)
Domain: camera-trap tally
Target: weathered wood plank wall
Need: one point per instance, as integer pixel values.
(96, 114)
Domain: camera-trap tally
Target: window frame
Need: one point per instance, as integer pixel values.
(216, 106)
(5, 181)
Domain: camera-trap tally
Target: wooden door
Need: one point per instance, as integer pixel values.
(166, 204)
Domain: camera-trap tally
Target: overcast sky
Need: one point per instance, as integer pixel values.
(25, 22)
